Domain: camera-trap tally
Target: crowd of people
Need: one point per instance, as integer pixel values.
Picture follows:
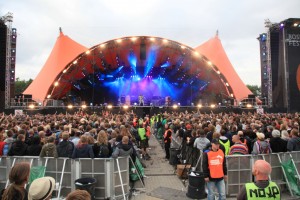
(105, 135)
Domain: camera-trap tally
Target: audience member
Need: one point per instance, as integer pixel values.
(79, 195)
(49, 149)
(18, 178)
(65, 147)
(294, 143)
(262, 188)
(83, 149)
(238, 148)
(41, 188)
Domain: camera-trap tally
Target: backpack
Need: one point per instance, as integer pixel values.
(6, 149)
(104, 151)
(261, 149)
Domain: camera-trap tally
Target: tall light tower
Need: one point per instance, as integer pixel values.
(10, 59)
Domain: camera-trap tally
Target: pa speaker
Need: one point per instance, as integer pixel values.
(143, 51)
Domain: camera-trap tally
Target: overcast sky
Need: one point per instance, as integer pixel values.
(191, 22)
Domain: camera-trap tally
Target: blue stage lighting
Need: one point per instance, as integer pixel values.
(132, 60)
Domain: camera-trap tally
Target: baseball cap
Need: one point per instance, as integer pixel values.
(215, 141)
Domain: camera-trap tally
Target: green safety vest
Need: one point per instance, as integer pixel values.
(142, 133)
(256, 193)
(226, 145)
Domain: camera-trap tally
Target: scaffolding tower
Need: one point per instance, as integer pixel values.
(8, 19)
(268, 25)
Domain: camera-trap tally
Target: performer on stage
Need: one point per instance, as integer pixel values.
(141, 100)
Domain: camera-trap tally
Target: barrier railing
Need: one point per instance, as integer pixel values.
(112, 174)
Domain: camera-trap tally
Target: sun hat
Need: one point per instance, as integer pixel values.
(41, 188)
(260, 136)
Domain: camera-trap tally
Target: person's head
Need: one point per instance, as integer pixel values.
(260, 136)
(294, 133)
(18, 177)
(215, 144)
(102, 137)
(83, 139)
(235, 138)
(201, 132)
(41, 188)
(261, 170)
(79, 195)
(125, 140)
(50, 139)
(65, 135)
(21, 138)
(275, 133)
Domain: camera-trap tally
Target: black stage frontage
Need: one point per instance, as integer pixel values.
(140, 111)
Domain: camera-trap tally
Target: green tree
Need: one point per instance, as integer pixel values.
(255, 89)
(21, 85)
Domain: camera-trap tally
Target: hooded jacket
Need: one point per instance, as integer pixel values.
(49, 150)
(124, 150)
(293, 144)
(65, 149)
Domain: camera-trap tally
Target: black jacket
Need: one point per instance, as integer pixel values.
(34, 150)
(18, 148)
(65, 149)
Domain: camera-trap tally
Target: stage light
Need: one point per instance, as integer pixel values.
(40, 104)
(109, 106)
(231, 95)
(218, 72)
(135, 104)
(65, 70)
(83, 106)
(196, 53)
(56, 83)
(102, 45)
(48, 97)
(133, 39)
(178, 104)
(199, 105)
(175, 106)
(125, 107)
(281, 25)
(165, 41)
(183, 47)
(212, 105)
(119, 40)
(152, 39)
(87, 52)
(209, 63)
(295, 24)
(70, 106)
(31, 106)
(75, 62)
(192, 104)
(249, 105)
(227, 84)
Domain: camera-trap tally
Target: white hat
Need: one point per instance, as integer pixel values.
(275, 133)
(260, 136)
(41, 188)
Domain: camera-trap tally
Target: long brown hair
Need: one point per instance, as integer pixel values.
(18, 175)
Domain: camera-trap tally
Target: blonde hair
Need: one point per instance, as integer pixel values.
(102, 138)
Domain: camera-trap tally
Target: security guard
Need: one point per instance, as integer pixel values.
(262, 188)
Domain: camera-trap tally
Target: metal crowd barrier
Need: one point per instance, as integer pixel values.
(112, 174)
